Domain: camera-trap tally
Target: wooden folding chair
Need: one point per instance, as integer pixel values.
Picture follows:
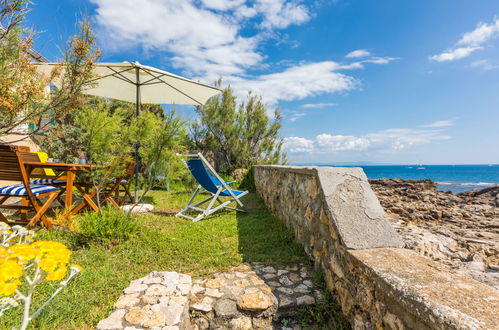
(120, 186)
(12, 169)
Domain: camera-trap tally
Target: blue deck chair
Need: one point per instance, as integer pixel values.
(210, 181)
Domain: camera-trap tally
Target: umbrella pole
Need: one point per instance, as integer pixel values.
(137, 111)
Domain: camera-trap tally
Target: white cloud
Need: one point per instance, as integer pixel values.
(454, 54)
(222, 4)
(318, 105)
(481, 34)
(440, 123)
(203, 39)
(484, 64)
(281, 13)
(380, 60)
(341, 142)
(470, 42)
(358, 53)
(298, 144)
(297, 82)
(389, 139)
(295, 116)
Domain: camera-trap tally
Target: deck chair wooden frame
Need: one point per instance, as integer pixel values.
(211, 182)
(12, 169)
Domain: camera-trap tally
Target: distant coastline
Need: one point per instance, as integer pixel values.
(455, 178)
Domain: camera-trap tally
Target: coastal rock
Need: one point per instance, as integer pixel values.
(460, 230)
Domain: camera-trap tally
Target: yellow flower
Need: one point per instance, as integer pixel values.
(24, 252)
(57, 275)
(9, 288)
(10, 269)
(76, 268)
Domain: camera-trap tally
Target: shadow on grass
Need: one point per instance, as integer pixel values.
(265, 239)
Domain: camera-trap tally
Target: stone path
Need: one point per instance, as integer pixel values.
(245, 297)
(250, 297)
(157, 301)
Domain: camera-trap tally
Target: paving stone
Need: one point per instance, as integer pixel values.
(205, 305)
(302, 289)
(241, 323)
(285, 280)
(256, 281)
(269, 276)
(180, 300)
(213, 283)
(269, 269)
(137, 315)
(251, 290)
(294, 277)
(281, 272)
(285, 301)
(254, 302)
(274, 284)
(184, 279)
(229, 276)
(225, 308)
(308, 283)
(171, 277)
(135, 288)
(164, 301)
(234, 290)
(242, 283)
(184, 288)
(285, 290)
(240, 275)
(149, 300)
(173, 314)
(159, 290)
(113, 321)
(215, 293)
(197, 289)
(152, 280)
(157, 319)
(128, 300)
(305, 300)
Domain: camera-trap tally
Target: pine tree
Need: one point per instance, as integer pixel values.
(237, 135)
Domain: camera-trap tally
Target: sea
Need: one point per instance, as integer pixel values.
(455, 178)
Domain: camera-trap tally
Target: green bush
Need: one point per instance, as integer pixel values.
(248, 181)
(110, 225)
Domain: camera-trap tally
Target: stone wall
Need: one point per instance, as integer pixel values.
(379, 284)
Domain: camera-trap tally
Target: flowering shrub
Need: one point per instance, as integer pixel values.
(24, 261)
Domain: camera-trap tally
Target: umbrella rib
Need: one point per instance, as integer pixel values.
(181, 78)
(164, 82)
(116, 74)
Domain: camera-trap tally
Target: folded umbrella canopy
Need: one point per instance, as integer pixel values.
(137, 83)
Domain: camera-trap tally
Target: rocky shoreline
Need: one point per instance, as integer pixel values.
(459, 230)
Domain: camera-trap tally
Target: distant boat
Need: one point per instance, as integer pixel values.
(409, 166)
(420, 167)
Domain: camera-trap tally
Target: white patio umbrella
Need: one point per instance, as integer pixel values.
(137, 83)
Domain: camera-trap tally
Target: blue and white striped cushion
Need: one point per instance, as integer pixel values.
(47, 181)
(20, 190)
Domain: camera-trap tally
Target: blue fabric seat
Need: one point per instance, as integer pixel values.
(217, 187)
(20, 190)
(206, 180)
(47, 181)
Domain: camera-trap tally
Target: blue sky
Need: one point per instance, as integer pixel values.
(383, 81)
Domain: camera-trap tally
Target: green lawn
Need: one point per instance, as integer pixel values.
(163, 243)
